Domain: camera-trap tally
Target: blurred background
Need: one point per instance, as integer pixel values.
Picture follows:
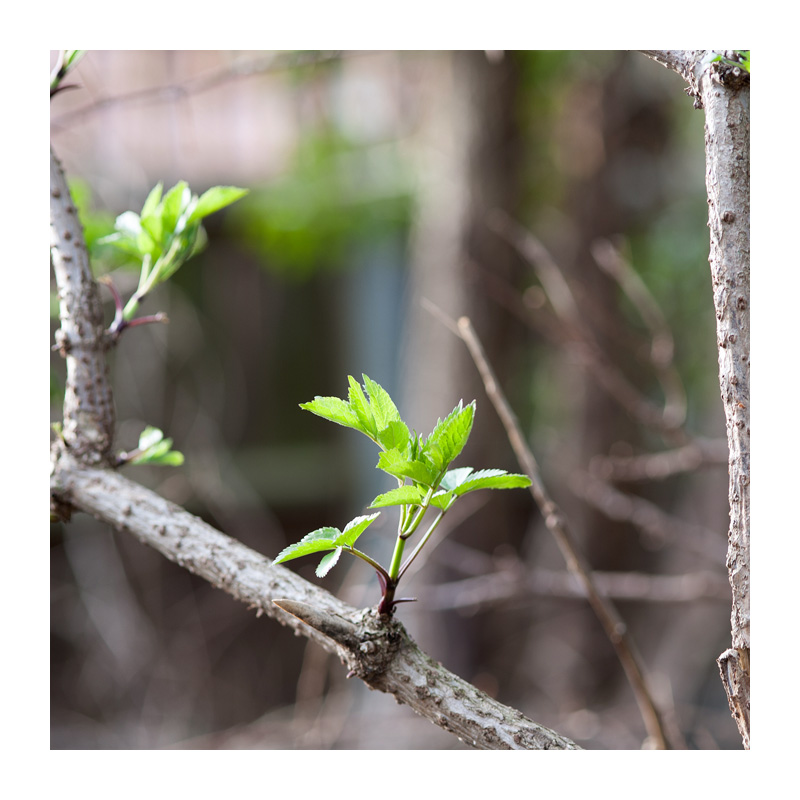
(484, 182)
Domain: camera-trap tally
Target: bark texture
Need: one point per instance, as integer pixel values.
(380, 653)
(728, 184)
(88, 425)
(724, 93)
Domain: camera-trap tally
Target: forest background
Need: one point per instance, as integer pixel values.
(375, 181)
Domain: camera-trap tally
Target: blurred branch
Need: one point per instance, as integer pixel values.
(662, 349)
(698, 453)
(514, 585)
(579, 340)
(556, 522)
(658, 526)
(263, 65)
(724, 92)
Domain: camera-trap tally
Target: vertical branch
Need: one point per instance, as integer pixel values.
(88, 404)
(724, 93)
(727, 140)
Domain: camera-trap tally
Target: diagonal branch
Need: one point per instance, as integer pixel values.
(261, 65)
(382, 655)
(556, 522)
(662, 348)
(580, 341)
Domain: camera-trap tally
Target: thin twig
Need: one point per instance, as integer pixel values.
(272, 62)
(556, 522)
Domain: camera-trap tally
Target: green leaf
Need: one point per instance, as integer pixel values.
(402, 496)
(149, 437)
(153, 199)
(315, 542)
(443, 499)
(394, 436)
(214, 199)
(360, 404)
(447, 495)
(183, 247)
(383, 408)
(449, 436)
(153, 229)
(174, 458)
(396, 463)
(173, 205)
(455, 477)
(354, 529)
(128, 225)
(155, 449)
(328, 562)
(492, 479)
(335, 410)
(326, 539)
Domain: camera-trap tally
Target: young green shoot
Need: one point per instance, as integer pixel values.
(166, 234)
(423, 473)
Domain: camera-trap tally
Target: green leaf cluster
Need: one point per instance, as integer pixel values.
(404, 455)
(421, 467)
(167, 232)
(155, 449)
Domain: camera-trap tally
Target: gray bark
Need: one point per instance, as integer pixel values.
(381, 654)
(88, 425)
(724, 93)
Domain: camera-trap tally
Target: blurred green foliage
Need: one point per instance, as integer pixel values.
(336, 196)
(97, 222)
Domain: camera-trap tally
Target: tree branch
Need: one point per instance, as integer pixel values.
(724, 93)
(262, 65)
(384, 656)
(88, 425)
